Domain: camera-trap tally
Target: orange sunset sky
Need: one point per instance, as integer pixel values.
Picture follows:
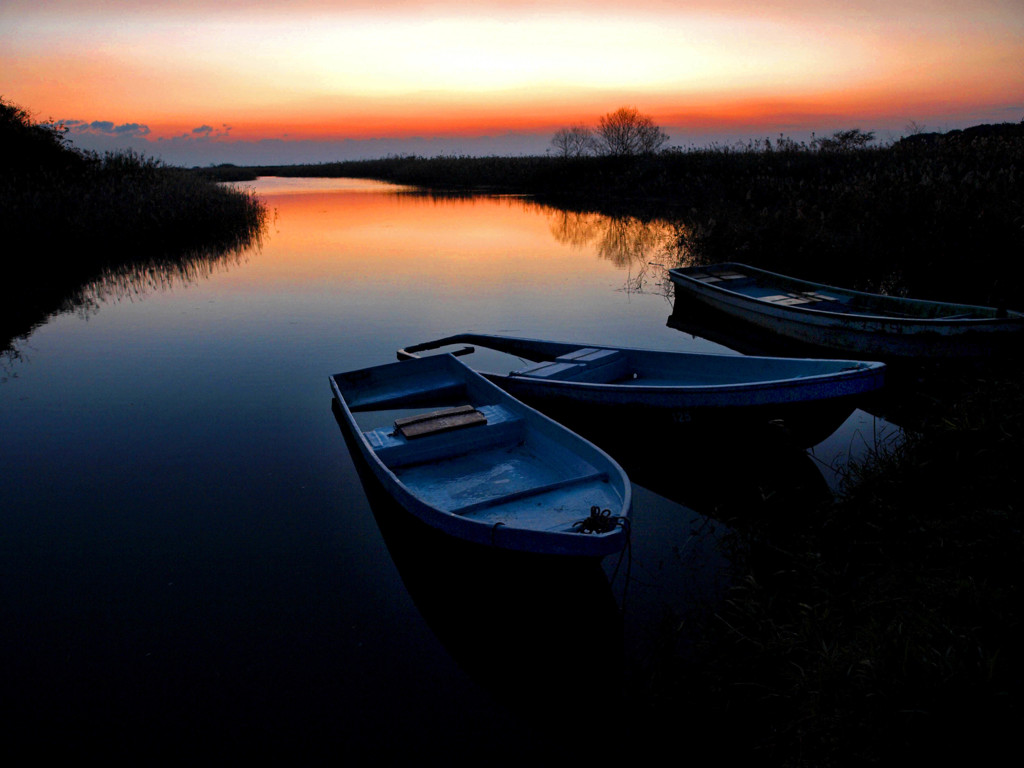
(205, 81)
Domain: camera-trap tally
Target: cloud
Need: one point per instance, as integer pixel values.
(107, 128)
(202, 132)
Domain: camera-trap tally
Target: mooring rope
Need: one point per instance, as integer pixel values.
(599, 521)
(603, 521)
(494, 530)
(628, 549)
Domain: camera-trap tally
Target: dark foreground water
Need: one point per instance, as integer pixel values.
(189, 562)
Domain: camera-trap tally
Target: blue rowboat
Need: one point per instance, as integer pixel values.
(644, 388)
(465, 457)
(851, 322)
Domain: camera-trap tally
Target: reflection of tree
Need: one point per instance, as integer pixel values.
(645, 248)
(623, 240)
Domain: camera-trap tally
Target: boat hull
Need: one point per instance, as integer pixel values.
(648, 387)
(882, 328)
(520, 481)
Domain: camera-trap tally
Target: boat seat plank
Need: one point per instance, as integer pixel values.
(717, 277)
(421, 425)
(790, 301)
(507, 498)
(586, 365)
(500, 427)
(799, 299)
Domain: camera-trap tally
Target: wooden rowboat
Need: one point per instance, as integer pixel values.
(850, 322)
(646, 387)
(465, 457)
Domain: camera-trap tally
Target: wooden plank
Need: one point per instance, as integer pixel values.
(424, 424)
(433, 415)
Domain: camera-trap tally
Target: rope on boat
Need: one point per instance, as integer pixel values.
(599, 521)
(627, 550)
(603, 521)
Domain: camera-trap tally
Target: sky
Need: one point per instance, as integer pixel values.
(199, 82)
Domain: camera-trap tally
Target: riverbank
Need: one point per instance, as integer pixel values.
(69, 219)
(883, 626)
(905, 218)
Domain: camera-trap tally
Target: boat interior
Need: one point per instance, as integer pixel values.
(586, 365)
(652, 369)
(832, 300)
(482, 463)
(478, 460)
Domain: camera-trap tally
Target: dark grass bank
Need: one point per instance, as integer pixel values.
(935, 216)
(70, 218)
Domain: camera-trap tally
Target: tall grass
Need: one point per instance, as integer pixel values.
(934, 216)
(883, 627)
(68, 217)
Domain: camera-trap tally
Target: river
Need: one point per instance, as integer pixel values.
(190, 563)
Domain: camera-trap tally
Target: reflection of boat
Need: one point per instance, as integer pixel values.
(850, 321)
(722, 474)
(906, 381)
(488, 468)
(542, 634)
(645, 387)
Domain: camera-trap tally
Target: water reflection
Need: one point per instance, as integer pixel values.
(542, 634)
(186, 555)
(133, 282)
(624, 240)
(878, 420)
(628, 242)
(644, 248)
(722, 474)
(82, 293)
(697, 319)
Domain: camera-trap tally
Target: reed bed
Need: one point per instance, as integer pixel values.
(883, 627)
(69, 218)
(936, 216)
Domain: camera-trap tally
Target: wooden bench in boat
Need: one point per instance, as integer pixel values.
(495, 426)
(587, 365)
(792, 299)
(445, 420)
(717, 277)
(813, 299)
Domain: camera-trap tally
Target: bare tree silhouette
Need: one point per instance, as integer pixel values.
(627, 132)
(574, 141)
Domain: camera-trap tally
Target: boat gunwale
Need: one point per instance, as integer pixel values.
(1013, 317)
(856, 369)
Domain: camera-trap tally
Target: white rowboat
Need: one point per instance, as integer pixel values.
(645, 388)
(470, 460)
(851, 322)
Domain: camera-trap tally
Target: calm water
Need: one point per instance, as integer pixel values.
(187, 553)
